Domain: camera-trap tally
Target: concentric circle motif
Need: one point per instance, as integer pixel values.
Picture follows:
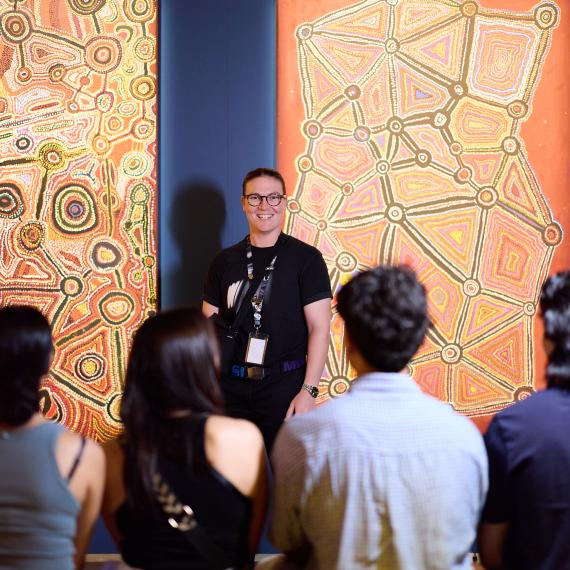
(523, 393)
(517, 109)
(90, 367)
(423, 158)
(395, 213)
(52, 156)
(142, 129)
(552, 234)
(463, 175)
(321, 225)
(392, 45)
(346, 261)
(101, 144)
(546, 16)
(105, 255)
(458, 89)
(455, 148)
(293, 205)
(313, 129)
(471, 288)
(347, 189)
(511, 145)
(116, 307)
(451, 353)
(440, 120)
(86, 7)
(135, 164)
(143, 87)
(104, 101)
(305, 163)
(339, 386)
(304, 32)
(71, 286)
(127, 109)
(469, 9)
(31, 235)
(56, 72)
(23, 75)
(382, 167)
(487, 197)
(145, 49)
(23, 143)
(74, 209)
(395, 125)
(11, 202)
(139, 11)
(529, 309)
(103, 54)
(15, 27)
(362, 134)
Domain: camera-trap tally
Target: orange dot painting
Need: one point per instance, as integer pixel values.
(402, 126)
(78, 204)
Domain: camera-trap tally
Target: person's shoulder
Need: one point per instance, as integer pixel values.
(92, 455)
(233, 431)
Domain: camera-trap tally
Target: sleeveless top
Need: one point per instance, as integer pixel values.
(38, 513)
(220, 509)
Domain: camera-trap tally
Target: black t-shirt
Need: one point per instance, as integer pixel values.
(300, 278)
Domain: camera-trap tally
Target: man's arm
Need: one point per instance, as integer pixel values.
(491, 540)
(318, 318)
(208, 309)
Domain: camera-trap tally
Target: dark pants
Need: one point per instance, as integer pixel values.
(264, 402)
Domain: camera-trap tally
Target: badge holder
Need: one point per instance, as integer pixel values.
(256, 342)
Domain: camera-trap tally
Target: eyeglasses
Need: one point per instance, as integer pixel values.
(272, 199)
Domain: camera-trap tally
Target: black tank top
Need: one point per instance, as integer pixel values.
(221, 510)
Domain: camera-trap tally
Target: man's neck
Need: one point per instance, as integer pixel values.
(264, 240)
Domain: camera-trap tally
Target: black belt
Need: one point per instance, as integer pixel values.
(258, 372)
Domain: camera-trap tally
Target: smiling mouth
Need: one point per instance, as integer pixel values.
(264, 216)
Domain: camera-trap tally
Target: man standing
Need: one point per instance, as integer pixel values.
(526, 520)
(275, 289)
(384, 477)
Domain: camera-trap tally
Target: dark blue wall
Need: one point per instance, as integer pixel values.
(216, 122)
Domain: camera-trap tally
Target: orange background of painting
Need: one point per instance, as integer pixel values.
(546, 133)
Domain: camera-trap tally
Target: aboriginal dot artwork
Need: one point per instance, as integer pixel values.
(414, 155)
(78, 204)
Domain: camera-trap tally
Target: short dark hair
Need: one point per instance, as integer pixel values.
(258, 173)
(171, 381)
(385, 314)
(555, 311)
(25, 353)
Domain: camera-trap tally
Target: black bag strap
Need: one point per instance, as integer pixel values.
(251, 289)
(181, 517)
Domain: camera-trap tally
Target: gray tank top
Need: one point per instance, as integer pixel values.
(37, 511)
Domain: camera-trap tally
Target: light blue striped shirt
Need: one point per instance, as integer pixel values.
(384, 477)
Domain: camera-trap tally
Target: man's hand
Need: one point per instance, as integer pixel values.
(302, 403)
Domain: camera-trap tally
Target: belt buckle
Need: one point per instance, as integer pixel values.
(254, 372)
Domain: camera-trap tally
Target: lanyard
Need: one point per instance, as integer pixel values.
(257, 299)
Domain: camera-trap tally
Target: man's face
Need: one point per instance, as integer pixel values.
(264, 218)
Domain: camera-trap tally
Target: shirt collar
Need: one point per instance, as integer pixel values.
(391, 382)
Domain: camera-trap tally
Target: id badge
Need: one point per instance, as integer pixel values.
(256, 346)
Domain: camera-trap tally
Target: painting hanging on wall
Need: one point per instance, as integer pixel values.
(431, 133)
(78, 203)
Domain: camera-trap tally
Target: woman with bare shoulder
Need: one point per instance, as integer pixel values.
(175, 431)
(51, 480)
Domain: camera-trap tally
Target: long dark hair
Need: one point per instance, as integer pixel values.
(25, 353)
(555, 310)
(172, 380)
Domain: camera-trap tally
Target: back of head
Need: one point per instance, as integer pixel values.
(25, 353)
(385, 315)
(555, 310)
(172, 379)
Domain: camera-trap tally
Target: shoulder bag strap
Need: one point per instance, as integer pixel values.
(181, 517)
